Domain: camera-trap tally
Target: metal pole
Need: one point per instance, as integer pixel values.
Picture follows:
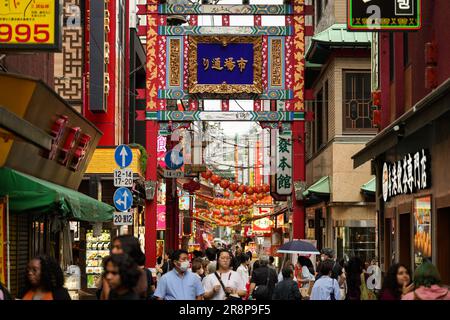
(8, 262)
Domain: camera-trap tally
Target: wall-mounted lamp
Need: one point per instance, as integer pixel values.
(299, 188)
(150, 189)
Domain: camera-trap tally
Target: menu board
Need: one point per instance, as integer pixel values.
(422, 230)
(97, 248)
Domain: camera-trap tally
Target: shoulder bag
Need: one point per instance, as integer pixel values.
(227, 295)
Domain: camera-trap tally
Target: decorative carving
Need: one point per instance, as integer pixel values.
(224, 88)
(174, 62)
(152, 68)
(233, 9)
(276, 66)
(244, 31)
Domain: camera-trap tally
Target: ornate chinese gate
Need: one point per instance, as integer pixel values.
(191, 63)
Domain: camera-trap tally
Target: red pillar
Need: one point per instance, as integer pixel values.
(150, 206)
(298, 174)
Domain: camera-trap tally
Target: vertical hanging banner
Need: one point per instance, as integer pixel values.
(2, 241)
(161, 217)
(284, 164)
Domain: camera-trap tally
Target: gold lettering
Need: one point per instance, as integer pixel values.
(242, 63)
(230, 64)
(216, 64)
(206, 63)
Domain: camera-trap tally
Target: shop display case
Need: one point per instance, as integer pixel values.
(97, 248)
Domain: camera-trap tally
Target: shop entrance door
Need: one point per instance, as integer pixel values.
(443, 249)
(405, 239)
(389, 242)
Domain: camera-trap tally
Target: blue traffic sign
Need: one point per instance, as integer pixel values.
(123, 199)
(123, 156)
(174, 159)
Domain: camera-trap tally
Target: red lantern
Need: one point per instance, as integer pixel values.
(236, 212)
(259, 196)
(208, 174)
(226, 194)
(226, 212)
(258, 189)
(233, 187)
(241, 189)
(238, 194)
(248, 202)
(250, 191)
(266, 188)
(215, 179)
(224, 184)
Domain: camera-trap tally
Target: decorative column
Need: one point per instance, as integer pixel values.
(298, 127)
(151, 130)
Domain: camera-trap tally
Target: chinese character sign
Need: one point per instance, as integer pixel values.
(406, 175)
(284, 164)
(29, 23)
(161, 150)
(230, 64)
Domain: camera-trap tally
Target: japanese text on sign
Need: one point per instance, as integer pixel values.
(407, 175)
(229, 64)
(27, 22)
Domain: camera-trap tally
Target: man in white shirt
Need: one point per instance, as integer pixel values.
(232, 283)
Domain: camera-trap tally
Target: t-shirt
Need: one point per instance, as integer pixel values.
(130, 295)
(243, 272)
(230, 279)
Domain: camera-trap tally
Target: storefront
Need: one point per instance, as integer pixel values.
(45, 147)
(411, 157)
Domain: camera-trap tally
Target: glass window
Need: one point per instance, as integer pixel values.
(356, 241)
(358, 113)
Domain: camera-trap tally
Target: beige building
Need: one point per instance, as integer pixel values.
(340, 200)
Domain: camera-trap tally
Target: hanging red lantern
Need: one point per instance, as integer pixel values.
(248, 202)
(258, 189)
(266, 188)
(238, 194)
(207, 174)
(250, 191)
(233, 187)
(241, 189)
(226, 194)
(236, 212)
(226, 212)
(225, 183)
(215, 179)
(259, 196)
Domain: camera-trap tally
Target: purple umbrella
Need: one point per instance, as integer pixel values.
(298, 246)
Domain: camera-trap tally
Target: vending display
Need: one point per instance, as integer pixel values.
(422, 230)
(97, 248)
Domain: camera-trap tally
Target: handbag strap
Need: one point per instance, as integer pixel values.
(221, 283)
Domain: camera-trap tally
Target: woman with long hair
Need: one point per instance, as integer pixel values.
(354, 270)
(122, 275)
(397, 283)
(44, 280)
(131, 246)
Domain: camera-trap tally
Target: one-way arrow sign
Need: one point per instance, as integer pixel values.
(123, 156)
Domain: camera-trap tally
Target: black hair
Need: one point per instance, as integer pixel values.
(390, 280)
(353, 271)
(197, 264)
(287, 272)
(211, 254)
(271, 259)
(256, 265)
(303, 261)
(197, 254)
(132, 247)
(159, 260)
(128, 269)
(176, 255)
(52, 276)
(243, 258)
(326, 267)
(218, 255)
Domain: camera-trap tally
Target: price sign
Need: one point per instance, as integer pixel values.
(123, 219)
(123, 178)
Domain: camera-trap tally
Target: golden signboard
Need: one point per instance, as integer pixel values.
(30, 24)
(225, 64)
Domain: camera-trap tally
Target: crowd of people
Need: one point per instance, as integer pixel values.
(225, 274)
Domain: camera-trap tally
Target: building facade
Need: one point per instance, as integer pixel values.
(341, 208)
(411, 153)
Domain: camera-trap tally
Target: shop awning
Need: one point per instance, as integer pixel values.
(322, 186)
(370, 186)
(30, 194)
